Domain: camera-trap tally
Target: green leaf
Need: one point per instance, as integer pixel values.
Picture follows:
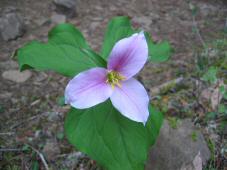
(96, 58)
(211, 115)
(158, 52)
(210, 75)
(67, 34)
(222, 108)
(35, 165)
(111, 139)
(66, 53)
(64, 59)
(118, 28)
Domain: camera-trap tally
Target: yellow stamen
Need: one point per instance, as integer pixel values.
(114, 78)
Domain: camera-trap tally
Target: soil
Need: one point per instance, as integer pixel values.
(31, 112)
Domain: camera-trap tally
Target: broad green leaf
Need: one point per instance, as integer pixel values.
(64, 59)
(97, 58)
(67, 34)
(66, 53)
(111, 139)
(118, 28)
(158, 52)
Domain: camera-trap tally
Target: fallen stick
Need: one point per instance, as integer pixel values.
(41, 157)
(170, 84)
(10, 150)
(27, 120)
(7, 133)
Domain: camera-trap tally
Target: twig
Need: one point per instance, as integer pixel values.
(198, 32)
(29, 119)
(41, 157)
(7, 133)
(156, 90)
(10, 150)
(35, 102)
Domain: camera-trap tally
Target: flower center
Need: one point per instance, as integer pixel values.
(114, 78)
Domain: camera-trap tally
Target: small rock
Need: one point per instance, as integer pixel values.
(73, 159)
(66, 6)
(176, 149)
(51, 150)
(66, 3)
(53, 116)
(16, 76)
(41, 21)
(11, 26)
(58, 18)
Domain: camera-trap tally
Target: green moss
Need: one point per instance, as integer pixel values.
(194, 136)
(173, 122)
(167, 88)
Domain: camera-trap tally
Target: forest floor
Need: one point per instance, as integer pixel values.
(31, 112)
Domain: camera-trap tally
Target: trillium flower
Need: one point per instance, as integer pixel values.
(127, 95)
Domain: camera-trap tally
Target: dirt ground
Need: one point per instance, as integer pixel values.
(31, 113)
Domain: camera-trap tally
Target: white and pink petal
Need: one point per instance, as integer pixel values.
(88, 89)
(129, 55)
(131, 100)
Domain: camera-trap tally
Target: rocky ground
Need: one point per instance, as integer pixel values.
(31, 111)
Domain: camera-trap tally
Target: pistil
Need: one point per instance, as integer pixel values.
(114, 78)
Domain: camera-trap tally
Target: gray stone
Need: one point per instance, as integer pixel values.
(41, 21)
(11, 26)
(72, 159)
(58, 18)
(67, 7)
(53, 116)
(66, 3)
(16, 76)
(176, 149)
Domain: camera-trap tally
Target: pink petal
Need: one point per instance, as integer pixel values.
(129, 55)
(131, 100)
(88, 88)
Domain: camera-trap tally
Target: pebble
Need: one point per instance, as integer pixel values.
(11, 26)
(58, 18)
(17, 76)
